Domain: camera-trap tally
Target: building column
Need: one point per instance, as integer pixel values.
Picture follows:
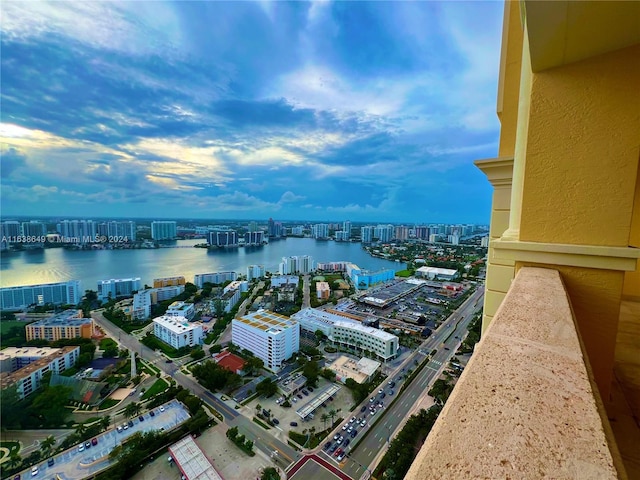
(500, 271)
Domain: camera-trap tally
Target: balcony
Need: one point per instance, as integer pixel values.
(526, 405)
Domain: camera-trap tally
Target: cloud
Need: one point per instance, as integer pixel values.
(10, 160)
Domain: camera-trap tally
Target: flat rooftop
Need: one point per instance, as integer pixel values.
(265, 320)
(13, 377)
(176, 324)
(374, 332)
(68, 318)
(192, 461)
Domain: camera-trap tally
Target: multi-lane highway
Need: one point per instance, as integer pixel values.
(445, 340)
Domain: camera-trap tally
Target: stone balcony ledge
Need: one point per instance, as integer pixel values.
(525, 407)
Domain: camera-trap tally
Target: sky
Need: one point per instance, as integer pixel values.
(362, 111)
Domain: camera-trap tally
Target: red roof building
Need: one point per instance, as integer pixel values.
(230, 361)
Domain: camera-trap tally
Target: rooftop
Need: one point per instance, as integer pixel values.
(13, 377)
(268, 321)
(192, 461)
(229, 361)
(176, 324)
(68, 318)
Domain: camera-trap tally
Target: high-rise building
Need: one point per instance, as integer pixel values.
(384, 233)
(320, 230)
(401, 233)
(255, 271)
(115, 288)
(34, 228)
(223, 238)
(366, 234)
(346, 228)
(118, 231)
(252, 227)
(78, 231)
(254, 238)
(164, 230)
(300, 264)
(216, 278)
(271, 337)
(61, 293)
(168, 281)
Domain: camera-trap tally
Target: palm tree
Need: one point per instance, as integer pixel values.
(15, 459)
(332, 414)
(324, 417)
(131, 410)
(81, 428)
(47, 444)
(105, 422)
(258, 408)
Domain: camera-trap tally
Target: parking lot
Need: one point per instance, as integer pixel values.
(87, 459)
(342, 401)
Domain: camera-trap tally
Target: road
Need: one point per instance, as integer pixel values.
(306, 297)
(365, 452)
(262, 439)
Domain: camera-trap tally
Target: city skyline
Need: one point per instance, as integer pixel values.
(361, 111)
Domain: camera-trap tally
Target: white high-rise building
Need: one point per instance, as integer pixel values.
(34, 229)
(177, 331)
(401, 233)
(164, 230)
(296, 264)
(224, 238)
(271, 337)
(384, 233)
(78, 231)
(115, 288)
(255, 271)
(346, 228)
(320, 230)
(61, 293)
(366, 234)
(119, 232)
(216, 278)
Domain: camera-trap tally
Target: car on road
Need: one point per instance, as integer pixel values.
(162, 409)
(94, 441)
(168, 360)
(447, 348)
(50, 462)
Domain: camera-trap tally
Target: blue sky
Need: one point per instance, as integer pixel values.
(369, 111)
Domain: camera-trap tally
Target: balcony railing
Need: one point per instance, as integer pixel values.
(525, 407)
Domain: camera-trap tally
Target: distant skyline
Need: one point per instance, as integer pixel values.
(368, 111)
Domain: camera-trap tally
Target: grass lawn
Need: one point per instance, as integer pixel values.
(11, 446)
(108, 403)
(404, 273)
(159, 386)
(6, 326)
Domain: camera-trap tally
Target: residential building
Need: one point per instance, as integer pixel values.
(241, 285)
(164, 230)
(332, 267)
(484, 242)
(255, 271)
(271, 337)
(177, 332)
(560, 350)
(77, 231)
(168, 281)
(348, 332)
(230, 299)
(320, 230)
(363, 279)
(434, 237)
(361, 371)
(63, 325)
(60, 293)
(223, 238)
(366, 234)
(145, 299)
(297, 264)
(287, 293)
(24, 367)
(401, 233)
(342, 236)
(422, 232)
(453, 239)
(346, 228)
(278, 281)
(254, 238)
(274, 229)
(181, 309)
(323, 290)
(384, 233)
(33, 228)
(216, 278)
(119, 232)
(298, 230)
(114, 288)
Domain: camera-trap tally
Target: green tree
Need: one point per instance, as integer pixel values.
(267, 387)
(270, 473)
(14, 459)
(132, 410)
(325, 418)
(197, 354)
(10, 410)
(105, 422)
(49, 406)
(311, 372)
(47, 444)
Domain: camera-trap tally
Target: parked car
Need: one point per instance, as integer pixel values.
(299, 396)
(125, 426)
(310, 389)
(50, 462)
(87, 445)
(382, 395)
(168, 360)
(364, 407)
(141, 418)
(94, 441)
(390, 392)
(119, 429)
(162, 409)
(363, 423)
(275, 421)
(338, 452)
(34, 471)
(327, 446)
(344, 427)
(336, 436)
(340, 457)
(130, 423)
(305, 392)
(354, 432)
(294, 424)
(353, 419)
(347, 442)
(152, 413)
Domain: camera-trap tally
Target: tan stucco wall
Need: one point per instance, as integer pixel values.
(582, 151)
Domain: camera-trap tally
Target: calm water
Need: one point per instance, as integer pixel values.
(89, 266)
